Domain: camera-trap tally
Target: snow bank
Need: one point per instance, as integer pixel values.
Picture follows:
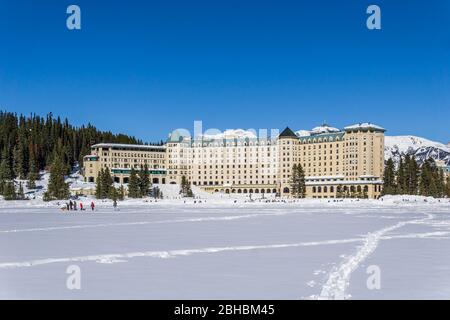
(409, 199)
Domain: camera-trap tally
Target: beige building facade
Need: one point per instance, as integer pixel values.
(230, 164)
(337, 163)
(120, 158)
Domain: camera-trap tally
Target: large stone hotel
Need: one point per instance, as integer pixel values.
(337, 163)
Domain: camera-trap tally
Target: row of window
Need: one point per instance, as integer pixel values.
(239, 182)
(136, 155)
(244, 190)
(344, 189)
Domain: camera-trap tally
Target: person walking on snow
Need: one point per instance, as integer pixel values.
(81, 206)
(70, 205)
(92, 206)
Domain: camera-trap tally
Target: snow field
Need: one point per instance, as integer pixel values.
(222, 249)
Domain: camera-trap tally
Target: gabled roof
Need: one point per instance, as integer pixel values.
(287, 133)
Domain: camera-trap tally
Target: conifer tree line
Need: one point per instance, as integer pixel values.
(139, 185)
(32, 143)
(412, 179)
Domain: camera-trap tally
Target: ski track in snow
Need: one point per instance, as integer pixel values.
(122, 257)
(425, 235)
(339, 278)
(118, 257)
(121, 224)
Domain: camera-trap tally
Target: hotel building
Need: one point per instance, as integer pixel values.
(337, 163)
(120, 158)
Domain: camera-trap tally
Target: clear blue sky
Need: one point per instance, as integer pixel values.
(147, 67)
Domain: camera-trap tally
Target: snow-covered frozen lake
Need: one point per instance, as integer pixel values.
(227, 250)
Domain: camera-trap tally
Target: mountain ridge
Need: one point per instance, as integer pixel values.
(420, 148)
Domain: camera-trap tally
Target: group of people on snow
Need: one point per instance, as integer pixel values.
(73, 205)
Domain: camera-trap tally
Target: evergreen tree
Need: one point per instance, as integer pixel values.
(301, 181)
(401, 177)
(189, 193)
(427, 183)
(104, 184)
(425, 179)
(113, 194)
(33, 173)
(31, 184)
(6, 173)
(412, 175)
(183, 186)
(9, 191)
(134, 191)
(99, 193)
(440, 183)
(58, 189)
(389, 184)
(294, 181)
(20, 193)
(144, 181)
(186, 190)
(447, 186)
(406, 171)
(298, 182)
(121, 193)
(107, 184)
(19, 165)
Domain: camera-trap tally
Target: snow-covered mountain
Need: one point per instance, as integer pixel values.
(421, 148)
